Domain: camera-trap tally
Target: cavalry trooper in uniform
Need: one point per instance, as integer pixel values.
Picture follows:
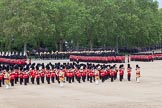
(7, 79)
(138, 75)
(97, 75)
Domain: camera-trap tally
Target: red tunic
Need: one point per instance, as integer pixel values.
(48, 75)
(25, 75)
(37, 75)
(21, 75)
(1, 77)
(12, 76)
(42, 74)
(121, 72)
(53, 74)
(111, 73)
(129, 71)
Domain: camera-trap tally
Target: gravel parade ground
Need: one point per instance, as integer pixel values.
(146, 94)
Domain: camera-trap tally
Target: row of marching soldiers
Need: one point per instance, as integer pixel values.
(67, 72)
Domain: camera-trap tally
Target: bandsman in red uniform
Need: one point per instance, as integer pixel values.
(83, 74)
(42, 74)
(25, 76)
(32, 74)
(103, 74)
(53, 75)
(129, 69)
(121, 72)
(48, 76)
(70, 74)
(112, 73)
(12, 78)
(16, 74)
(37, 76)
(138, 74)
(21, 77)
(78, 74)
(90, 75)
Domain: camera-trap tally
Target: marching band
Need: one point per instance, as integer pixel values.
(26, 74)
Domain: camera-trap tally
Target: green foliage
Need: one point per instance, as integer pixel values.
(83, 23)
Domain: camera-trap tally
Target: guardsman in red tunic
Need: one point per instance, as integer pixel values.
(53, 76)
(21, 77)
(129, 72)
(108, 72)
(42, 74)
(1, 78)
(112, 73)
(115, 72)
(83, 74)
(103, 74)
(48, 76)
(12, 78)
(121, 72)
(32, 74)
(25, 76)
(16, 74)
(90, 75)
(70, 75)
(78, 75)
(37, 75)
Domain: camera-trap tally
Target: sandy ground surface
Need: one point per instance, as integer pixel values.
(146, 94)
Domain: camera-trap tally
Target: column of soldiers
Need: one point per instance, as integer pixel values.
(66, 72)
(65, 55)
(12, 55)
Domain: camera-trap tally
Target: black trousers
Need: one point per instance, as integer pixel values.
(42, 79)
(87, 78)
(83, 78)
(73, 79)
(67, 78)
(28, 80)
(16, 80)
(121, 77)
(112, 78)
(48, 80)
(12, 82)
(53, 79)
(21, 81)
(102, 78)
(78, 79)
(94, 78)
(70, 79)
(32, 80)
(25, 81)
(38, 81)
(129, 77)
(90, 79)
(0, 83)
(115, 76)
